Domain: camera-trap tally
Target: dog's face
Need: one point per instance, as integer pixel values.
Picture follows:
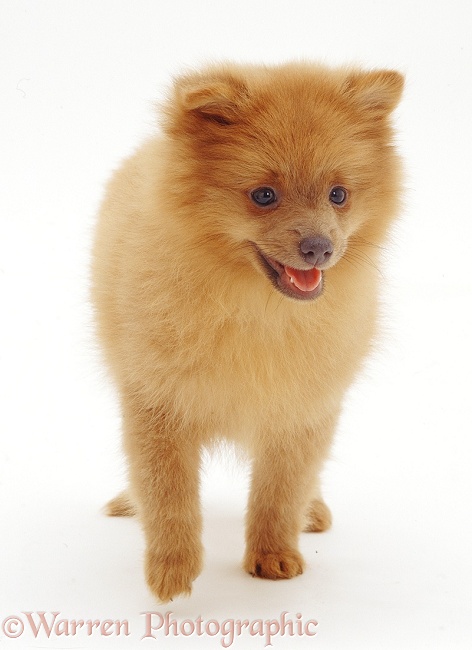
(286, 165)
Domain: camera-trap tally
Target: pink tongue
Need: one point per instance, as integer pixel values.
(304, 280)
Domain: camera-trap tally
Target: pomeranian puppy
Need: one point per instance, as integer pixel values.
(235, 274)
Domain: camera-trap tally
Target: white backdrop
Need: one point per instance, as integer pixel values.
(77, 82)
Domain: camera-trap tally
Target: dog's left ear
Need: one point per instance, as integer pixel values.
(377, 92)
(216, 98)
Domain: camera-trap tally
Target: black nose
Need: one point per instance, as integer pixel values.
(316, 250)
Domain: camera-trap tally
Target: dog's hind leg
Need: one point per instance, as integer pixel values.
(120, 506)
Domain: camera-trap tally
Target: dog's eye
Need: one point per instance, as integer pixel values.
(264, 196)
(338, 195)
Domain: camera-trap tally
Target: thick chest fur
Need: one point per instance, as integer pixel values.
(236, 372)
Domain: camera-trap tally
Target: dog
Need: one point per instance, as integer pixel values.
(234, 281)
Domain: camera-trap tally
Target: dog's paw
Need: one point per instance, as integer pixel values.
(120, 506)
(274, 566)
(172, 575)
(318, 517)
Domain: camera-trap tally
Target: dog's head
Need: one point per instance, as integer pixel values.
(285, 165)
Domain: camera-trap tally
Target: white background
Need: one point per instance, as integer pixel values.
(76, 89)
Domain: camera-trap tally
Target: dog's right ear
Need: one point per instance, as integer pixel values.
(377, 92)
(211, 98)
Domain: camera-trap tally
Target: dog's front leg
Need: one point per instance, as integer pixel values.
(282, 479)
(164, 483)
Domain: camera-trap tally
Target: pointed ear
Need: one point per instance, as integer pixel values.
(377, 92)
(217, 99)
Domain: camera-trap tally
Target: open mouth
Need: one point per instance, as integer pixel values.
(295, 283)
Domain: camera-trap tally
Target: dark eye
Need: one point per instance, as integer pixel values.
(263, 196)
(338, 195)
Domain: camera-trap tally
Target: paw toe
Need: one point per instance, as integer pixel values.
(171, 576)
(274, 566)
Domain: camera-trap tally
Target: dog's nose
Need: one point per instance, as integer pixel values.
(316, 250)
